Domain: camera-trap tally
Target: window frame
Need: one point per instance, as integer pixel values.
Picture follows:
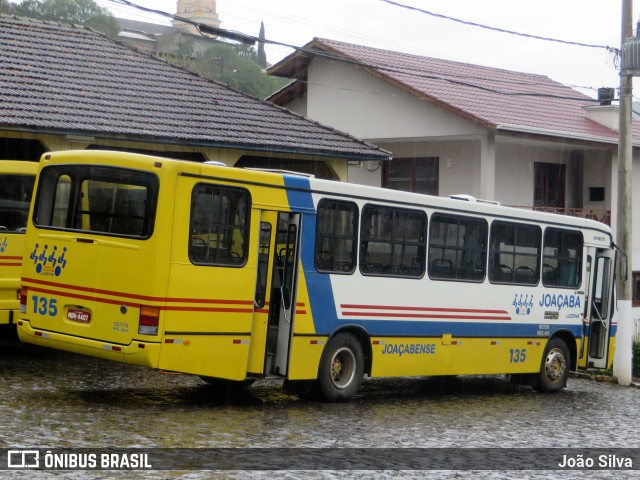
(410, 163)
(579, 261)
(49, 180)
(225, 228)
(514, 254)
(482, 223)
(421, 243)
(355, 222)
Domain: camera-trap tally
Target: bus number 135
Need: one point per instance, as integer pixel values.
(45, 306)
(517, 355)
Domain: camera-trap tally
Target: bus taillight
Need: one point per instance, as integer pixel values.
(149, 320)
(22, 296)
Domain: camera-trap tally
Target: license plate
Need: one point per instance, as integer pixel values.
(78, 316)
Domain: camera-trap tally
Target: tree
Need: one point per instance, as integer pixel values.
(233, 64)
(262, 56)
(7, 7)
(185, 48)
(82, 12)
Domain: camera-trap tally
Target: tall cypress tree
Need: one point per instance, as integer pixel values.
(262, 56)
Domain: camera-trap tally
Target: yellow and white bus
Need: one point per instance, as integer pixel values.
(16, 185)
(236, 274)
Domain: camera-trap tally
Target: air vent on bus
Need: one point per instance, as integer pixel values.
(281, 171)
(472, 199)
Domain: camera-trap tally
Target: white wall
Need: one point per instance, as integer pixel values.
(354, 101)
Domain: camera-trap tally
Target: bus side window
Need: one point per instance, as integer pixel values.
(457, 247)
(219, 225)
(515, 253)
(562, 258)
(393, 241)
(336, 236)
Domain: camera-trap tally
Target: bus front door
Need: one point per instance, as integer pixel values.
(275, 297)
(600, 308)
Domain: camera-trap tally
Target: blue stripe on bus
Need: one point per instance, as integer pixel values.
(322, 302)
(458, 329)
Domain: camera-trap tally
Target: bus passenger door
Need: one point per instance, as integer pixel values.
(600, 298)
(275, 295)
(264, 273)
(283, 295)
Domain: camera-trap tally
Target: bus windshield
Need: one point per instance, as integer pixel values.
(87, 198)
(15, 196)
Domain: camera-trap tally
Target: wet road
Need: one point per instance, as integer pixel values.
(57, 400)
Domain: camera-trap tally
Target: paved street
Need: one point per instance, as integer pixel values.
(57, 400)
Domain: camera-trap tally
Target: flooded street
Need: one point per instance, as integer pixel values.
(53, 400)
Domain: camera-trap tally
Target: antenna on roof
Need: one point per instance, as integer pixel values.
(472, 199)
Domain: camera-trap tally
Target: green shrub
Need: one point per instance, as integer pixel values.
(636, 359)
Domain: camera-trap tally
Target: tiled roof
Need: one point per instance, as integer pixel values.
(497, 98)
(65, 79)
(148, 28)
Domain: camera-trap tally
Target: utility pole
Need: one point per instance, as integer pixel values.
(622, 358)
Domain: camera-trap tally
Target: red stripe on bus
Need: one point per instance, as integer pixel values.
(177, 308)
(420, 309)
(131, 296)
(422, 315)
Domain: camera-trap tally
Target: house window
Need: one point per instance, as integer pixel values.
(596, 194)
(636, 289)
(549, 183)
(419, 175)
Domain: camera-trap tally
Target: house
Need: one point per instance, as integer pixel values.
(68, 87)
(517, 138)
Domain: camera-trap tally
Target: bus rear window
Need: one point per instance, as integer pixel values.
(93, 199)
(15, 196)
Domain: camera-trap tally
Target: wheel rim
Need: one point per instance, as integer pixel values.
(343, 367)
(555, 365)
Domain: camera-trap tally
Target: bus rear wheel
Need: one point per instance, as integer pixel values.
(341, 369)
(555, 367)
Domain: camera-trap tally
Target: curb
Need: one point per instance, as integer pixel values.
(595, 377)
(602, 378)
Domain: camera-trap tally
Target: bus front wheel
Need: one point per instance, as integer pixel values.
(554, 370)
(341, 369)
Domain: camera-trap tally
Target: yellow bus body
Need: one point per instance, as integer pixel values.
(155, 298)
(12, 236)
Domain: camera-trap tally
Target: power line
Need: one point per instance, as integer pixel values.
(391, 69)
(496, 29)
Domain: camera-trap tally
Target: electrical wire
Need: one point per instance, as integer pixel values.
(203, 29)
(495, 29)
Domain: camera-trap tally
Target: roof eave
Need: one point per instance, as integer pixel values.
(560, 134)
(378, 155)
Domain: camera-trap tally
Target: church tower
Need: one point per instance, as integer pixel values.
(200, 11)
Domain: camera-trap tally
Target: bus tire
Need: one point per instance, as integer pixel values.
(341, 369)
(555, 367)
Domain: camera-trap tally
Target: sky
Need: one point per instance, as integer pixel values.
(380, 24)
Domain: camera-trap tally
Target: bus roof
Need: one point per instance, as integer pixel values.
(18, 167)
(460, 204)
